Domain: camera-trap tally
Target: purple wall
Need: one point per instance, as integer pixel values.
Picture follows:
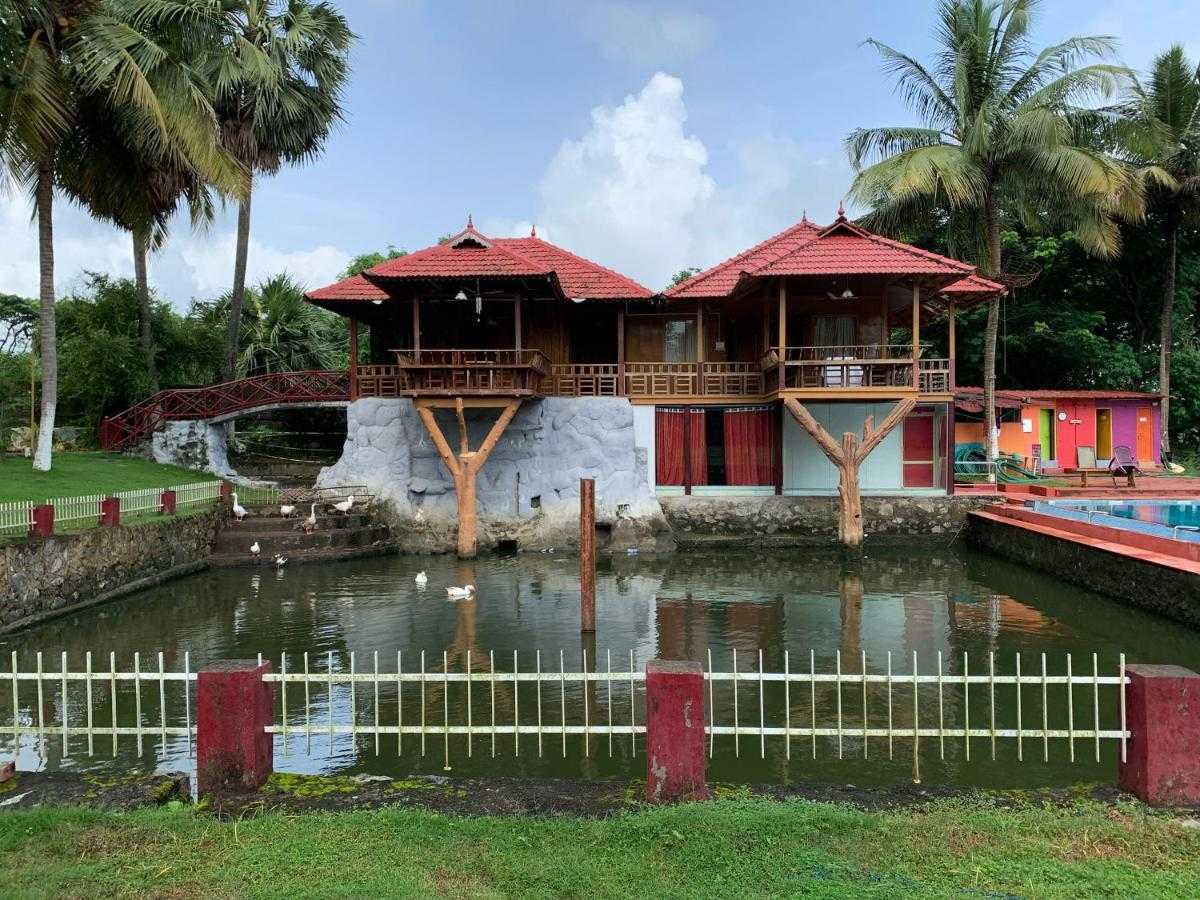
(1124, 424)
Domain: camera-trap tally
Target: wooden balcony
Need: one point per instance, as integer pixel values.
(849, 368)
(658, 380)
(456, 373)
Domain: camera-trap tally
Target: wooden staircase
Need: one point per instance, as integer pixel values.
(336, 537)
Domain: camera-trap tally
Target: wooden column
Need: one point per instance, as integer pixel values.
(847, 457)
(621, 350)
(699, 347)
(916, 335)
(782, 332)
(464, 468)
(950, 444)
(951, 318)
(517, 321)
(416, 328)
(587, 554)
(353, 359)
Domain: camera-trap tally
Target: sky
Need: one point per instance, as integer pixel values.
(646, 136)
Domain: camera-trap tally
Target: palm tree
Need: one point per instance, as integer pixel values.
(58, 58)
(282, 332)
(1159, 130)
(279, 77)
(1002, 134)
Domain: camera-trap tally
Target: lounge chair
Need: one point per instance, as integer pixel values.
(1123, 463)
(1085, 459)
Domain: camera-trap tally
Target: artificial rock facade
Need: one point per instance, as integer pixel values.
(528, 492)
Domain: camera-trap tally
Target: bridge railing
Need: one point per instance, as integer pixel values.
(135, 424)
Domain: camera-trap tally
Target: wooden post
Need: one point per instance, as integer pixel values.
(847, 457)
(950, 326)
(782, 333)
(916, 336)
(621, 350)
(587, 554)
(416, 329)
(464, 468)
(517, 321)
(699, 347)
(353, 359)
(950, 447)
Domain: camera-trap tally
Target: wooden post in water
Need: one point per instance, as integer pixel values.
(587, 554)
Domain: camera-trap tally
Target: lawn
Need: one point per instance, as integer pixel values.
(732, 847)
(87, 473)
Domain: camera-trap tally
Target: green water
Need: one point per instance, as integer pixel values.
(952, 601)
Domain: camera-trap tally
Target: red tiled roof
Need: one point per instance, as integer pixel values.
(974, 285)
(1018, 394)
(353, 288)
(466, 255)
(579, 277)
(720, 280)
(842, 248)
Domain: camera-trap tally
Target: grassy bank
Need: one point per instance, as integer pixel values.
(733, 847)
(87, 473)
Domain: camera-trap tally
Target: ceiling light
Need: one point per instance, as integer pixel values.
(376, 302)
(578, 299)
(461, 295)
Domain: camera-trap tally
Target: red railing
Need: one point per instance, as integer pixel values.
(280, 388)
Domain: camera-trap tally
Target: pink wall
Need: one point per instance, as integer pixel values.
(1125, 425)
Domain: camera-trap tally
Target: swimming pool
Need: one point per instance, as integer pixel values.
(1179, 519)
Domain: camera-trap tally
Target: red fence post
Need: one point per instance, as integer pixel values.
(43, 521)
(674, 731)
(110, 512)
(1162, 712)
(226, 493)
(168, 503)
(234, 705)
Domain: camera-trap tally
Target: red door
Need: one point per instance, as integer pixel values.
(918, 451)
(1064, 435)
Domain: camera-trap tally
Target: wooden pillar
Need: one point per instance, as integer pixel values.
(916, 335)
(782, 333)
(621, 350)
(353, 359)
(950, 446)
(950, 326)
(848, 457)
(699, 347)
(517, 321)
(587, 554)
(416, 328)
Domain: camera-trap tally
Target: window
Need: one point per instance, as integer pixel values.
(679, 340)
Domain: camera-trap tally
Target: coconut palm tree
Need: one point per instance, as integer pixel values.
(60, 56)
(1159, 130)
(282, 332)
(1002, 133)
(279, 76)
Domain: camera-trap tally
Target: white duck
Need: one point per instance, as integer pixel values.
(460, 593)
(287, 510)
(422, 579)
(280, 561)
(239, 511)
(310, 524)
(255, 549)
(345, 505)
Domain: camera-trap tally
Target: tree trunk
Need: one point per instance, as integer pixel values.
(144, 313)
(1166, 329)
(992, 216)
(850, 514)
(42, 458)
(238, 294)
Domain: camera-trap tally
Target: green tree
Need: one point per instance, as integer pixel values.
(59, 57)
(683, 275)
(279, 76)
(365, 261)
(1159, 131)
(1002, 133)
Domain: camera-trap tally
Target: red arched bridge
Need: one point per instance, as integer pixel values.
(222, 402)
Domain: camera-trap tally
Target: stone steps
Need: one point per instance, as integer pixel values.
(256, 523)
(335, 554)
(336, 537)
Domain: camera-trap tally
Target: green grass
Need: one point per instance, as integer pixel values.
(732, 847)
(87, 473)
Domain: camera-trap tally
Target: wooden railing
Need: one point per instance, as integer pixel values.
(586, 380)
(934, 376)
(472, 372)
(854, 367)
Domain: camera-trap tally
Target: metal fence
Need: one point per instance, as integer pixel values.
(863, 713)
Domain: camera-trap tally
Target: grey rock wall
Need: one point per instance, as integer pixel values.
(528, 491)
(193, 445)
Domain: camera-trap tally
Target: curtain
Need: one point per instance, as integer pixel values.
(751, 442)
(671, 457)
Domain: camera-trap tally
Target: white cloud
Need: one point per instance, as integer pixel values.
(645, 34)
(635, 192)
(192, 264)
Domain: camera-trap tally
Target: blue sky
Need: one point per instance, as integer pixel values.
(648, 136)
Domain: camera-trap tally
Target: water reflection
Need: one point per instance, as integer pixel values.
(798, 609)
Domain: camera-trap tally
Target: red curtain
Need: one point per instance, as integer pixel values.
(751, 441)
(671, 458)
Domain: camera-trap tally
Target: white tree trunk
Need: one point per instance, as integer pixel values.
(43, 456)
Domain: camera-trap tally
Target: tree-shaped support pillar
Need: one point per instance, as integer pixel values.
(847, 457)
(464, 468)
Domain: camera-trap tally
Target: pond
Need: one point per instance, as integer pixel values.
(901, 600)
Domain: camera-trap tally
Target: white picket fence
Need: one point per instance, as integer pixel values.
(16, 518)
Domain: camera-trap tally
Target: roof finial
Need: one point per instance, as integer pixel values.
(841, 210)
(470, 222)
(804, 217)
(533, 230)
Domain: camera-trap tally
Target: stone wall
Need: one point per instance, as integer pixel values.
(193, 445)
(528, 492)
(1170, 592)
(811, 521)
(40, 578)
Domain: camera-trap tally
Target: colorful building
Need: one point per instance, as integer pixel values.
(1047, 428)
